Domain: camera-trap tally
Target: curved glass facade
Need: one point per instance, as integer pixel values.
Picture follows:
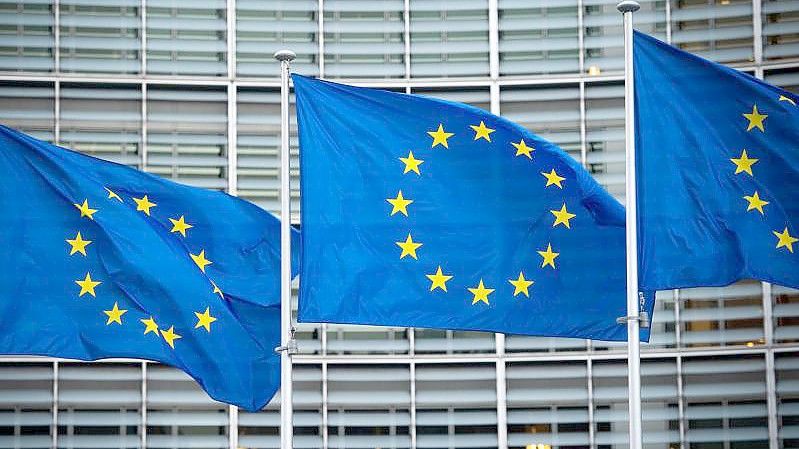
(189, 91)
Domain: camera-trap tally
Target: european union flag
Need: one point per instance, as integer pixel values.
(100, 260)
(428, 213)
(718, 171)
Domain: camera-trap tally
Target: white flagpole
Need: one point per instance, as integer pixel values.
(286, 330)
(627, 8)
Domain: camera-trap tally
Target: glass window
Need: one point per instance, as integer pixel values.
(104, 121)
(538, 37)
(187, 135)
(186, 39)
(364, 39)
(100, 37)
(27, 39)
(721, 316)
(449, 38)
(262, 28)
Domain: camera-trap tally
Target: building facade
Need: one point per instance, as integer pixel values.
(189, 90)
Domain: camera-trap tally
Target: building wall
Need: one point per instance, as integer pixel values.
(189, 91)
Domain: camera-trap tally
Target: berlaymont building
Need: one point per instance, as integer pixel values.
(188, 89)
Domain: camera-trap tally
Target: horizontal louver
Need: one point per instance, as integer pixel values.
(262, 28)
(100, 36)
(449, 38)
(27, 37)
(364, 38)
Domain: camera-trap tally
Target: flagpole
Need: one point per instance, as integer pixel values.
(627, 8)
(286, 330)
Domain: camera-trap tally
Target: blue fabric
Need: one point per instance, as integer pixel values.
(480, 211)
(694, 226)
(143, 266)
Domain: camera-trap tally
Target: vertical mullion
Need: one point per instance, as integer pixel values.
(580, 39)
(757, 29)
(581, 69)
(590, 384)
(668, 21)
(583, 131)
(143, 37)
(325, 417)
(232, 154)
(320, 36)
(680, 403)
(493, 39)
(230, 17)
(771, 377)
(233, 427)
(57, 36)
(54, 436)
(502, 394)
(677, 346)
(406, 37)
(143, 148)
(57, 112)
(413, 403)
(143, 405)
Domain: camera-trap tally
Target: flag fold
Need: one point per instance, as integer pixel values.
(103, 261)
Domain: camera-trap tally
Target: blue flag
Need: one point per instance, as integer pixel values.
(100, 260)
(427, 213)
(718, 173)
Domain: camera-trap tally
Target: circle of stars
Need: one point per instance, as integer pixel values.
(409, 248)
(79, 244)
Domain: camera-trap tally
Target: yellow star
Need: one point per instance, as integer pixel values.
(553, 178)
(114, 315)
(409, 247)
(180, 225)
(217, 290)
(170, 336)
(400, 204)
(744, 163)
(755, 119)
(562, 216)
(150, 325)
(143, 204)
(85, 210)
(78, 245)
(87, 285)
(411, 163)
(480, 293)
(785, 239)
(440, 136)
(755, 202)
(481, 131)
(521, 285)
(523, 149)
(789, 100)
(439, 280)
(112, 194)
(204, 319)
(200, 260)
(549, 256)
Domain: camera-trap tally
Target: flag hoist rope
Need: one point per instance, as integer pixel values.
(627, 8)
(287, 343)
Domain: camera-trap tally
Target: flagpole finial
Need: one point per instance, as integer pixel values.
(623, 7)
(287, 55)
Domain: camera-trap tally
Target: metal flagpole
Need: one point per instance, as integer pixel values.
(627, 8)
(286, 329)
